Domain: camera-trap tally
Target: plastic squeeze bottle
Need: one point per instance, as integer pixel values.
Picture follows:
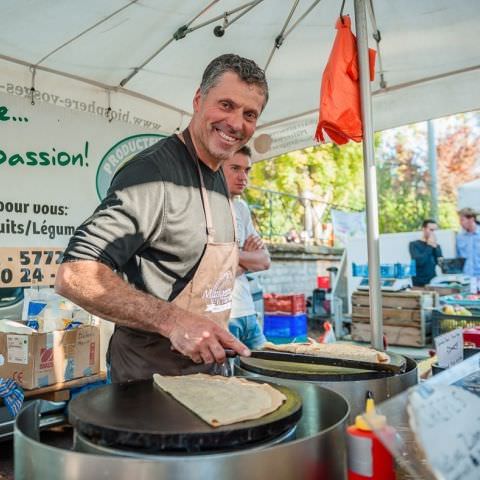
(368, 459)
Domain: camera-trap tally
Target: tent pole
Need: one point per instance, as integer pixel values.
(370, 178)
(432, 162)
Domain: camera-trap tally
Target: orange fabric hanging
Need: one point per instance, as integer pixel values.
(340, 112)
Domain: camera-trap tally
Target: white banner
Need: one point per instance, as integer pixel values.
(55, 165)
(286, 137)
(81, 97)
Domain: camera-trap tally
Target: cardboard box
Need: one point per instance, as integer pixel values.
(42, 359)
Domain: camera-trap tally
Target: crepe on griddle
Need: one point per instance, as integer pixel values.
(221, 400)
(331, 350)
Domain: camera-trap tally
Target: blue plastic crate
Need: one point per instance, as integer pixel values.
(387, 270)
(405, 270)
(285, 328)
(359, 270)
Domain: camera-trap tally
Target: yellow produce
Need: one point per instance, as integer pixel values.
(456, 310)
(448, 309)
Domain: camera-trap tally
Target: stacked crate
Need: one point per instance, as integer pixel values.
(458, 311)
(443, 322)
(285, 318)
(406, 317)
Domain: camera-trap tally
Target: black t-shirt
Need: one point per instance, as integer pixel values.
(151, 228)
(151, 225)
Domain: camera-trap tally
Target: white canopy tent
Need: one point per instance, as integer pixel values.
(82, 52)
(143, 59)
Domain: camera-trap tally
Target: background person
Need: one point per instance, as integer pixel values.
(254, 256)
(468, 246)
(159, 256)
(292, 236)
(426, 253)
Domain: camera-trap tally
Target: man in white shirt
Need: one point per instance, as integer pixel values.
(254, 257)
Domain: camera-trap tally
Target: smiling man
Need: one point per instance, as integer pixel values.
(159, 255)
(226, 118)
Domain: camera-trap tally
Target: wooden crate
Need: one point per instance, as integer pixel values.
(408, 299)
(445, 290)
(406, 317)
(396, 335)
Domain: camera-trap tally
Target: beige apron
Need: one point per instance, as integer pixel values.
(136, 354)
(209, 292)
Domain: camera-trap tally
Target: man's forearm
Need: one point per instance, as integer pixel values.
(255, 261)
(97, 289)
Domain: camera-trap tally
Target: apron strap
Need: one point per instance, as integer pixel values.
(203, 191)
(206, 204)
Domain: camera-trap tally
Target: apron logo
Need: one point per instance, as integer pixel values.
(119, 155)
(219, 297)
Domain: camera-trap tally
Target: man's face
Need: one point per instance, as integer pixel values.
(429, 229)
(467, 223)
(236, 170)
(225, 117)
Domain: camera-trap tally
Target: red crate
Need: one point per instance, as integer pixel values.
(290, 304)
(323, 282)
(472, 335)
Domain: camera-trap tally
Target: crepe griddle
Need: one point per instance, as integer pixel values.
(140, 416)
(287, 366)
(397, 363)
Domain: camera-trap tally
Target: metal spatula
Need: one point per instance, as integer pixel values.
(397, 363)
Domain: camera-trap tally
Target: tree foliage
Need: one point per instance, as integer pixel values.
(458, 153)
(402, 181)
(328, 174)
(404, 176)
(333, 177)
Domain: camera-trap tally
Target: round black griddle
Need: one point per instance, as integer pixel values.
(316, 372)
(139, 415)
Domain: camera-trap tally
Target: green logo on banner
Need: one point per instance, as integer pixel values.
(118, 155)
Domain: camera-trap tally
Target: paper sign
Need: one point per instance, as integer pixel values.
(449, 347)
(25, 267)
(17, 349)
(348, 225)
(446, 423)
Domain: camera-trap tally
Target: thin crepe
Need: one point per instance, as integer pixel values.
(331, 350)
(221, 400)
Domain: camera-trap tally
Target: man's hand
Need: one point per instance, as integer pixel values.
(201, 339)
(253, 243)
(254, 257)
(432, 240)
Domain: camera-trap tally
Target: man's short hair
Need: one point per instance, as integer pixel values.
(245, 150)
(467, 213)
(427, 221)
(248, 71)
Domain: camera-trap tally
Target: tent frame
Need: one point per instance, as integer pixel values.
(370, 174)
